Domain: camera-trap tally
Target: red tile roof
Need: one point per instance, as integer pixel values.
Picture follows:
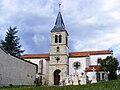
(78, 54)
(71, 54)
(86, 53)
(26, 56)
(96, 67)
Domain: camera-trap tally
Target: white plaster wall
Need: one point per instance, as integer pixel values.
(94, 58)
(15, 71)
(82, 60)
(36, 61)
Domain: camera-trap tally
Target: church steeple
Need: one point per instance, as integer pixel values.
(58, 52)
(59, 24)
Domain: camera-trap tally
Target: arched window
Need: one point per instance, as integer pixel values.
(56, 39)
(58, 49)
(60, 38)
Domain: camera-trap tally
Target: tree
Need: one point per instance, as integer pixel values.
(118, 72)
(11, 43)
(110, 64)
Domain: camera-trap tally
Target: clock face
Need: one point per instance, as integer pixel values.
(76, 65)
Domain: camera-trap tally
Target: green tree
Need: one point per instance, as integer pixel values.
(110, 64)
(11, 43)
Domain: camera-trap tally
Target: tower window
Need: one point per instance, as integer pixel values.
(58, 49)
(60, 38)
(56, 39)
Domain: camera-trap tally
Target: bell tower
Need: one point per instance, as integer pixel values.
(58, 65)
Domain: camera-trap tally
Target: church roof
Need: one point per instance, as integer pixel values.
(26, 56)
(71, 54)
(87, 53)
(96, 67)
(59, 24)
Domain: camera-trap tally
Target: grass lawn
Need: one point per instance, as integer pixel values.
(109, 85)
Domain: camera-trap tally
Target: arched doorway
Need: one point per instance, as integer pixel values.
(56, 77)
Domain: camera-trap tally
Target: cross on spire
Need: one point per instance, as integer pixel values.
(59, 6)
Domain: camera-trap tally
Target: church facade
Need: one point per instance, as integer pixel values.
(63, 67)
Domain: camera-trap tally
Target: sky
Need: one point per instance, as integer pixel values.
(91, 24)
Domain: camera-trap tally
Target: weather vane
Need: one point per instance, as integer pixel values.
(59, 6)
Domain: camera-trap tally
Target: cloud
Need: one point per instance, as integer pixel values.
(115, 15)
(111, 5)
(91, 25)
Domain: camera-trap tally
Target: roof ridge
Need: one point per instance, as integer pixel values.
(90, 51)
(71, 54)
(4, 50)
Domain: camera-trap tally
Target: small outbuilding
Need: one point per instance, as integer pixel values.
(16, 71)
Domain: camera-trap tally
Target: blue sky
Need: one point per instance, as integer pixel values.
(91, 24)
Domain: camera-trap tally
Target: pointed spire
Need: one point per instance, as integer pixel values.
(59, 24)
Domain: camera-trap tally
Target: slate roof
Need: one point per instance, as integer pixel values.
(59, 24)
(71, 54)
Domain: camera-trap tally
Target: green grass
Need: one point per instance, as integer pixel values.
(109, 85)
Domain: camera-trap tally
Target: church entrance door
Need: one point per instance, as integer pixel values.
(56, 77)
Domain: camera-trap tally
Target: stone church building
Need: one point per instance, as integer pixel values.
(60, 66)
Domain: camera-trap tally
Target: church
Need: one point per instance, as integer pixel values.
(61, 67)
